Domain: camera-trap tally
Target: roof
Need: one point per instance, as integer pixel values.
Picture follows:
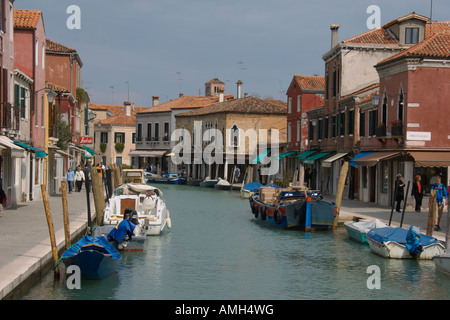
(55, 87)
(310, 82)
(118, 111)
(249, 105)
(436, 47)
(55, 47)
(26, 18)
(186, 102)
(215, 80)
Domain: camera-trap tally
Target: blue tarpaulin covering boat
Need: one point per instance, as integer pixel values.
(95, 256)
(253, 186)
(400, 243)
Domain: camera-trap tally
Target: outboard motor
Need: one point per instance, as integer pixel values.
(127, 213)
(134, 217)
(413, 243)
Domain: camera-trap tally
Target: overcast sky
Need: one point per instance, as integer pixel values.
(164, 47)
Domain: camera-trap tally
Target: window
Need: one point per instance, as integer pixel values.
(42, 110)
(156, 131)
(149, 132)
(234, 136)
(118, 160)
(104, 137)
(342, 124)
(166, 131)
(411, 35)
(298, 130)
(333, 127)
(334, 86)
(325, 128)
(362, 124)
(36, 50)
(351, 122)
(400, 106)
(310, 131)
(133, 137)
(119, 137)
(299, 103)
(384, 110)
(139, 132)
(289, 131)
(319, 129)
(373, 119)
(290, 105)
(23, 107)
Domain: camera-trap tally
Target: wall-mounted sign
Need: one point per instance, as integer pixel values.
(86, 140)
(418, 136)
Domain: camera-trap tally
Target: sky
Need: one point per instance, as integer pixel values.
(136, 49)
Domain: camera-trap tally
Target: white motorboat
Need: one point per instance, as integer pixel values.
(146, 200)
(357, 230)
(222, 184)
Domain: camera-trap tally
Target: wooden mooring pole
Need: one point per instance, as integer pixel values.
(431, 209)
(51, 229)
(99, 200)
(340, 192)
(65, 208)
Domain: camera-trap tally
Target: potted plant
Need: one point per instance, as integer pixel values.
(119, 146)
(102, 147)
(397, 128)
(381, 130)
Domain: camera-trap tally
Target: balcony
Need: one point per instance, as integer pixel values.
(9, 117)
(397, 130)
(381, 131)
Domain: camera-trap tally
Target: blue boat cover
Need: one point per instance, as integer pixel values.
(413, 243)
(121, 230)
(397, 235)
(100, 243)
(253, 186)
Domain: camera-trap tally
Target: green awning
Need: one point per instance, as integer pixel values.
(92, 152)
(38, 152)
(315, 157)
(261, 156)
(281, 156)
(305, 154)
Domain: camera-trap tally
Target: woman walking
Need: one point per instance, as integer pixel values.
(417, 192)
(400, 194)
(79, 178)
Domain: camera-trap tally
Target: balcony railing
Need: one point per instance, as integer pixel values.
(397, 130)
(380, 132)
(9, 116)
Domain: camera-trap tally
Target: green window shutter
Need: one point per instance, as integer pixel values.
(16, 94)
(22, 102)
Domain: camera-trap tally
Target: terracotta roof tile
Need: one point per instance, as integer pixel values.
(249, 105)
(118, 111)
(26, 18)
(55, 87)
(375, 36)
(310, 82)
(437, 47)
(52, 46)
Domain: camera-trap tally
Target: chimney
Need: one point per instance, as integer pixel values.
(334, 35)
(245, 94)
(220, 90)
(127, 105)
(155, 101)
(239, 88)
(181, 95)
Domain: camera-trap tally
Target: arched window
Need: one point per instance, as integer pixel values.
(234, 136)
(400, 105)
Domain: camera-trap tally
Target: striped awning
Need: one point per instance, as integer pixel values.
(315, 157)
(281, 156)
(372, 159)
(327, 162)
(261, 156)
(359, 155)
(305, 154)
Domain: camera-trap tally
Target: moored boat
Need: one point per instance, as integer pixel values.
(250, 188)
(171, 178)
(357, 230)
(95, 256)
(399, 243)
(208, 182)
(292, 209)
(222, 184)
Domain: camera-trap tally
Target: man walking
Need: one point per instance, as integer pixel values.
(441, 197)
(70, 177)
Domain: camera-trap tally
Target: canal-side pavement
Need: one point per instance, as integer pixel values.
(25, 249)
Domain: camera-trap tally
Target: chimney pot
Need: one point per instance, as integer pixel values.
(334, 35)
(127, 105)
(239, 88)
(155, 101)
(181, 95)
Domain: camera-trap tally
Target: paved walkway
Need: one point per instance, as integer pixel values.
(25, 245)
(24, 237)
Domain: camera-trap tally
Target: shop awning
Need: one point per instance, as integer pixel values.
(148, 153)
(328, 162)
(359, 155)
(281, 156)
(372, 159)
(431, 158)
(92, 152)
(39, 153)
(261, 156)
(64, 154)
(315, 157)
(305, 154)
(16, 151)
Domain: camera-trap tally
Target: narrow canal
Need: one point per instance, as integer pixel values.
(217, 250)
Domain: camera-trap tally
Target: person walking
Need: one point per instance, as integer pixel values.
(79, 178)
(70, 177)
(441, 197)
(417, 192)
(399, 191)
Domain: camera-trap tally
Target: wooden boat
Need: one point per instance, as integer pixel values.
(95, 256)
(292, 209)
(208, 182)
(171, 178)
(147, 200)
(250, 188)
(222, 185)
(194, 182)
(394, 243)
(357, 230)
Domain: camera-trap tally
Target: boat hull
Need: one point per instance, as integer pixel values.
(395, 250)
(208, 184)
(135, 244)
(355, 234)
(93, 265)
(442, 262)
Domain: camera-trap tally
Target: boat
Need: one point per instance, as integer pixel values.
(222, 185)
(194, 182)
(399, 243)
(250, 188)
(357, 230)
(125, 236)
(208, 182)
(95, 256)
(171, 178)
(147, 200)
(292, 209)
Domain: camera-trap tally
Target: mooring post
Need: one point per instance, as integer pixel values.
(308, 224)
(51, 229)
(431, 209)
(340, 192)
(404, 204)
(65, 208)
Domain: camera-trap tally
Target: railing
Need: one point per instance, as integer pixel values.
(380, 132)
(9, 116)
(397, 130)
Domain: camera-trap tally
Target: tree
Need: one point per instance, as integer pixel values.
(64, 134)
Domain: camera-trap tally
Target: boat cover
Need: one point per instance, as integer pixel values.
(223, 182)
(365, 226)
(272, 185)
(413, 243)
(398, 235)
(121, 230)
(253, 186)
(100, 244)
(135, 189)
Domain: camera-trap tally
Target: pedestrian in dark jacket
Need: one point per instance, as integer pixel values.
(417, 192)
(399, 191)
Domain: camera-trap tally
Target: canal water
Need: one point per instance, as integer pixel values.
(217, 250)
